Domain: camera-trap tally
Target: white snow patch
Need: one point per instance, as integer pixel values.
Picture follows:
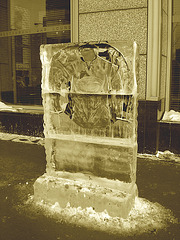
(166, 153)
(171, 116)
(144, 217)
(22, 138)
(162, 156)
(5, 107)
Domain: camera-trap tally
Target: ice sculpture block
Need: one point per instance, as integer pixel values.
(89, 93)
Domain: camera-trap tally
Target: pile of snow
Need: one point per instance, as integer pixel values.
(171, 116)
(144, 217)
(167, 155)
(163, 156)
(22, 138)
(5, 107)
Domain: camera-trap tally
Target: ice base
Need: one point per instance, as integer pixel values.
(85, 190)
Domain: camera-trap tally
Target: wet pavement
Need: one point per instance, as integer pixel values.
(21, 163)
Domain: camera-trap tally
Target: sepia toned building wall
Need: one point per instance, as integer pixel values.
(117, 20)
(145, 22)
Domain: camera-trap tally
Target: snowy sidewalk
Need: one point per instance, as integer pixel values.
(22, 161)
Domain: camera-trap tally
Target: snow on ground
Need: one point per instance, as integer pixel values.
(144, 217)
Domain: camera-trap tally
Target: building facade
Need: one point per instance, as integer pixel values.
(153, 24)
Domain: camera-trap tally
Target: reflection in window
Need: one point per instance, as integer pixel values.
(175, 79)
(20, 66)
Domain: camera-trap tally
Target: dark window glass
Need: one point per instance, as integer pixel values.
(28, 24)
(175, 77)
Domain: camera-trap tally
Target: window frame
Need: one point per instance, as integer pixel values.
(154, 51)
(74, 37)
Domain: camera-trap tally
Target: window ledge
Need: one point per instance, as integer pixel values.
(31, 109)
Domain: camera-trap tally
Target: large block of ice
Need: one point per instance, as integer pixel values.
(75, 191)
(103, 160)
(89, 95)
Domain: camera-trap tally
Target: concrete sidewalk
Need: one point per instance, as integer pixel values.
(22, 161)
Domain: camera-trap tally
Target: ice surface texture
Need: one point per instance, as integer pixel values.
(89, 95)
(93, 84)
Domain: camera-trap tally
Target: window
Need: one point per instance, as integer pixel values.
(24, 26)
(175, 77)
